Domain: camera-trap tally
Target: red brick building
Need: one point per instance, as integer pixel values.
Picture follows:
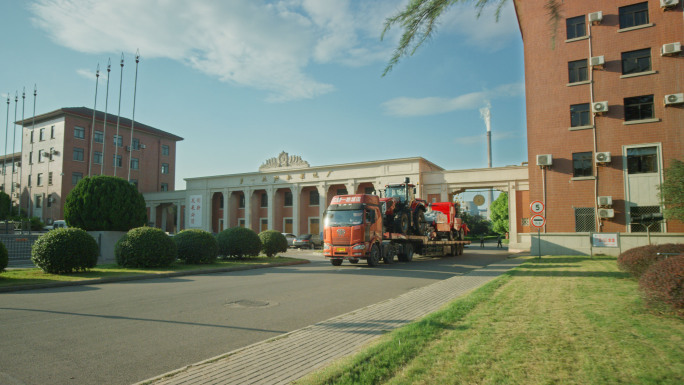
(605, 110)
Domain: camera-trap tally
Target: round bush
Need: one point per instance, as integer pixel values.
(196, 246)
(105, 203)
(637, 260)
(64, 251)
(238, 242)
(145, 247)
(4, 257)
(272, 242)
(663, 283)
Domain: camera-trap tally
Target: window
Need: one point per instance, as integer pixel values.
(642, 160)
(165, 168)
(79, 132)
(637, 211)
(577, 71)
(39, 179)
(98, 137)
(165, 150)
(50, 178)
(369, 191)
(42, 134)
(29, 181)
(52, 132)
(164, 187)
(582, 164)
(264, 200)
(314, 198)
(78, 154)
(633, 15)
(241, 222)
(136, 144)
(263, 224)
(634, 62)
(575, 27)
(579, 115)
(49, 200)
(30, 159)
(97, 157)
(39, 201)
(117, 161)
(31, 136)
(639, 108)
(134, 163)
(241, 204)
(584, 220)
(76, 177)
(288, 199)
(41, 155)
(51, 153)
(341, 191)
(118, 140)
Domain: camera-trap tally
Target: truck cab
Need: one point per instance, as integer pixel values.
(352, 228)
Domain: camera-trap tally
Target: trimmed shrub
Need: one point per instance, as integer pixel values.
(145, 247)
(105, 203)
(637, 260)
(64, 251)
(272, 242)
(4, 257)
(663, 283)
(196, 246)
(238, 242)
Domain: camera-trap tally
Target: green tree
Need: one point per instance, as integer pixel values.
(105, 203)
(418, 22)
(672, 190)
(499, 209)
(4, 205)
(477, 224)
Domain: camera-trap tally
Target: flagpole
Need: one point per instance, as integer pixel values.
(33, 128)
(14, 141)
(118, 115)
(92, 128)
(21, 146)
(135, 89)
(4, 160)
(104, 130)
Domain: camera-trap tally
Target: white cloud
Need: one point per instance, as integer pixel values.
(405, 106)
(259, 44)
(484, 32)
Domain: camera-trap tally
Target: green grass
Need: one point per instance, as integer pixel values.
(33, 276)
(568, 320)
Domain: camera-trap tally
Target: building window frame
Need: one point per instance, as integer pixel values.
(41, 135)
(582, 164)
(164, 168)
(76, 177)
(117, 160)
(314, 198)
(79, 132)
(52, 132)
(97, 157)
(585, 219)
(39, 179)
(576, 27)
(98, 137)
(580, 115)
(578, 71)
(164, 187)
(287, 199)
(78, 154)
(642, 159)
(165, 150)
(633, 15)
(636, 62)
(639, 108)
(118, 140)
(135, 164)
(264, 200)
(241, 201)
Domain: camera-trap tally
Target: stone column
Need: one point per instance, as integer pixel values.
(179, 224)
(153, 213)
(270, 191)
(351, 187)
(248, 207)
(323, 202)
(226, 208)
(296, 190)
(163, 218)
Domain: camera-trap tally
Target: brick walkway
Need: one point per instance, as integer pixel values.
(291, 356)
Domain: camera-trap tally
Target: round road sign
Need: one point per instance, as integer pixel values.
(537, 207)
(537, 220)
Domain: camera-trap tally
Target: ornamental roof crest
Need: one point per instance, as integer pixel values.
(284, 160)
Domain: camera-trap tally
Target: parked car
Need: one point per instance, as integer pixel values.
(308, 241)
(58, 224)
(290, 239)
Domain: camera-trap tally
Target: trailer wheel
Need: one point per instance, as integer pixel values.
(451, 235)
(409, 253)
(460, 249)
(353, 260)
(388, 258)
(374, 256)
(336, 262)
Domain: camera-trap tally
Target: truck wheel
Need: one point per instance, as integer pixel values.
(389, 256)
(336, 262)
(374, 256)
(353, 260)
(420, 225)
(407, 255)
(401, 223)
(460, 249)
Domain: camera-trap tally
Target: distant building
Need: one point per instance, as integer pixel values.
(62, 148)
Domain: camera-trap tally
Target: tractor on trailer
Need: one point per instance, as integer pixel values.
(353, 230)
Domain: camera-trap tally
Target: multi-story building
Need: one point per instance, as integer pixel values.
(61, 147)
(604, 110)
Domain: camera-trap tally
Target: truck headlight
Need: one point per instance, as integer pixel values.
(359, 247)
(326, 246)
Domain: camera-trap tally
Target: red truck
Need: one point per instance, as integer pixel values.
(444, 223)
(353, 230)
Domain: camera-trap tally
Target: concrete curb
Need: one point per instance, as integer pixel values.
(98, 281)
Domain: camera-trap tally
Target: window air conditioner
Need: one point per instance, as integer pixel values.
(544, 160)
(602, 157)
(605, 201)
(674, 99)
(128, 148)
(596, 61)
(671, 49)
(143, 146)
(606, 213)
(668, 3)
(596, 17)
(599, 107)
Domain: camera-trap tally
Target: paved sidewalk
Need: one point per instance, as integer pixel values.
(291, 356)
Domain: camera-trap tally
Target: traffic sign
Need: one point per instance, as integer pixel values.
(538, 220)
(537, 207)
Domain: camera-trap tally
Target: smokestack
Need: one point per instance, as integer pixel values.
(486, 116)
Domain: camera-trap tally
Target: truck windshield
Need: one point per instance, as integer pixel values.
(398, 192)
(343, 218)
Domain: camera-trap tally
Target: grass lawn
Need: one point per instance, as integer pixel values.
(32, 276)
(567, 320)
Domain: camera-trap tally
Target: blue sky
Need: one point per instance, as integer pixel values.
(243, 80)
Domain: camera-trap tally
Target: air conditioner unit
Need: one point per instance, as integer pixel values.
(674, 99)
(605, 201)
(544, 160)
(596, 17)
(602, 157)
(599, 107)
(15, 195)
(596, 61)
(143, 146)
(668, 3)
(606, 213)
(671, 49)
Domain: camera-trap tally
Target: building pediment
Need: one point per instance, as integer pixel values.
(284, 161)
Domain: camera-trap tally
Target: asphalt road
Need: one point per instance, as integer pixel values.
(121, 333)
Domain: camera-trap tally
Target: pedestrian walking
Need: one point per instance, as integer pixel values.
(498, 242)
(481, 240)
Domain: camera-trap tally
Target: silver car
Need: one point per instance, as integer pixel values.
(290, 239)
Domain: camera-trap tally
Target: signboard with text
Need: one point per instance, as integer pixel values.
(195, 211)
(605, 240)
(538, 220)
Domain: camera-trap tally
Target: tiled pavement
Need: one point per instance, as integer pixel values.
(290, 356)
